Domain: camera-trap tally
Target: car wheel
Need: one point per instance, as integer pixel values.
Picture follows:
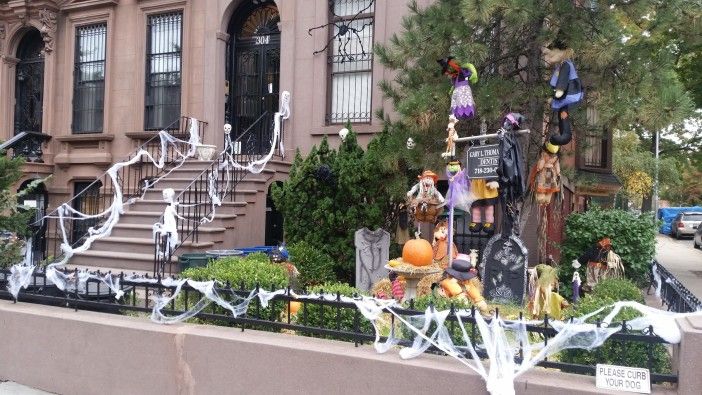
(677, 235)
(695, 244)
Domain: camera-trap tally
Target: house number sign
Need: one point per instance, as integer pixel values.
(262, 40)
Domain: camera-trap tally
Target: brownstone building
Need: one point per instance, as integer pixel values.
(84, 83)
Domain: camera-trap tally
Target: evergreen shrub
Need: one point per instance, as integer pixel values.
(633, 239)
(315, 266)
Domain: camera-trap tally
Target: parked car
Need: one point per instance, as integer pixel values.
(697, 242)
(685, 224)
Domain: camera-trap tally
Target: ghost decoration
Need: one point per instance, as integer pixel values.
(169, 227)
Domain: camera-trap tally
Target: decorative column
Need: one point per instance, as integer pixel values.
(47, 19)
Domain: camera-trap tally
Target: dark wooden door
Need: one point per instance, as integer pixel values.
(29, 83)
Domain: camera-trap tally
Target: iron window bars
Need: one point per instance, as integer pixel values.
(350, 60)
(164, 40)
(89, 79)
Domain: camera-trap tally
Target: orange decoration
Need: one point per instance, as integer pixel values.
(418, 252)
(451, 287)
(294, 307)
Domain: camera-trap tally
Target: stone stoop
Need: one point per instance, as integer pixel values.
(239, 222)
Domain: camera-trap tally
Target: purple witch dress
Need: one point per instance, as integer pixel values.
(462, 104)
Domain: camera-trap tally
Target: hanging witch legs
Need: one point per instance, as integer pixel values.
(567, 89)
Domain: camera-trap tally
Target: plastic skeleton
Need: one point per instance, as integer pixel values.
(169, 227)
(344, 30)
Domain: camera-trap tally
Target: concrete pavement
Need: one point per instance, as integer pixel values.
(682, 260)
(10, 388)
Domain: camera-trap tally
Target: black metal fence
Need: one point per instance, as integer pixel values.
(674, 294)
(336, 319)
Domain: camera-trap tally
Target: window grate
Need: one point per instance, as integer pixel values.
(163, 70)
(594, 151)
(89, 79)
(351, 61)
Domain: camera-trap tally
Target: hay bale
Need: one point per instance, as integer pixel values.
(424, 285)
(382, 287)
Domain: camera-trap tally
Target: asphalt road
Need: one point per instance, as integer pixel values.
(682, 260)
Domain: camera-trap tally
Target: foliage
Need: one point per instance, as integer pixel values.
(612, 351)
(626, 53)
(13, 221)
(330, 194)
(315, 266)
(633, 238)
(324, 316)
(618, 289)
(254, 269)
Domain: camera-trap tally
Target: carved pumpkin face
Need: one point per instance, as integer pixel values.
(418, 252)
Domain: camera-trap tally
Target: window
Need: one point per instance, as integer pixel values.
(89, 79)
(595, 150)
(163, 71)
(351, 61)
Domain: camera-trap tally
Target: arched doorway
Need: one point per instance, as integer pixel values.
(29, 83)
(253, 74)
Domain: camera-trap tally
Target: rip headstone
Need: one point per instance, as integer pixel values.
(504, 269)
(372, 254)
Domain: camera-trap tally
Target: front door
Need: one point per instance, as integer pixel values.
(29, 83)
(254, 76)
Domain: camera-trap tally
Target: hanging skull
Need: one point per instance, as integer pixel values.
(410, 143)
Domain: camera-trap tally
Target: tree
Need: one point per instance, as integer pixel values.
(625, 52)
(13, 221)
(330, 194)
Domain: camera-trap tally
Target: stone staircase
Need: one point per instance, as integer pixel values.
(239, 222)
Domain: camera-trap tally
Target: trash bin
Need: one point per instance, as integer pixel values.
(216, 254)
(264, 249)
(187, 261)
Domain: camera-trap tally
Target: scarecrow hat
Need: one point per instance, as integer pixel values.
(429, 173)
(461, 268)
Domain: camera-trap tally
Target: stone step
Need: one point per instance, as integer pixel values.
(143, 245)
(145, 231)
(242, 194)
(151, 217)
(159, 206)
(122, 261)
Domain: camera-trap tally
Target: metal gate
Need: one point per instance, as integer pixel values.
(29, 83)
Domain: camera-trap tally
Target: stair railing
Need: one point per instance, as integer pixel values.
(197, 202)
(95, 198)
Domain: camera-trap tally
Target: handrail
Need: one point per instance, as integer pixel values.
(190, 199)
(672, 292)
(15, 139)
(98, 196)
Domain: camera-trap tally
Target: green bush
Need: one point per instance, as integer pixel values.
(250, 270)
(330, 317)
(315, 266)
(633, 238)
(633, 354)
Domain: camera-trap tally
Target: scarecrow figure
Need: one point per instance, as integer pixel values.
(462, 104)
(460, 280)
(545, 177)
(440, 244)
(428, 203)
(601, 262)
(543, 292)
(567, 89)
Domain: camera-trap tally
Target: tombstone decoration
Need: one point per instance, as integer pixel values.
(372, 254)
(505, 259)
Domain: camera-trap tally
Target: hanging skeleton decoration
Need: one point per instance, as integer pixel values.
(169, 227)
(345, 30)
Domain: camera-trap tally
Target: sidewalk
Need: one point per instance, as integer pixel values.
(683, 261)
(11, 388)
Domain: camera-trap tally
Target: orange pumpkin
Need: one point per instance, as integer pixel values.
(294, 307)
(418, 252)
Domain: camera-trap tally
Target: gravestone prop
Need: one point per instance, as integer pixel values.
(505, 259)
(372, 254)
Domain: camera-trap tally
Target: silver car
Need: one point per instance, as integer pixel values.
(685, 224)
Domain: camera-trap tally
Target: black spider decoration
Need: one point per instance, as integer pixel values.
(344, 31)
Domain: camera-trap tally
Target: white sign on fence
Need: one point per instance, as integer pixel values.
(622, 378)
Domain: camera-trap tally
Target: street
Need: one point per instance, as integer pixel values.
(682, 260)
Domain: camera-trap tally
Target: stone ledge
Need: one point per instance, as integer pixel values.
(86, 137)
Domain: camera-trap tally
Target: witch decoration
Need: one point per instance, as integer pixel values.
(602, 262)
(567, 89)
(462, 104)
(543, 292)
(544, 182)
(426, 203)
(458, 196)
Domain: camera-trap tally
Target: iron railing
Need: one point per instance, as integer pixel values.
(674, 294)
(335, 319)
(195, 202)
(98, 196)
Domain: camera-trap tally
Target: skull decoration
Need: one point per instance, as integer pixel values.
(227, 128)
(343, 133)
(410, 143)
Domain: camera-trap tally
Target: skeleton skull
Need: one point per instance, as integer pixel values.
(227, 128)
(410, 143)
(343, 133)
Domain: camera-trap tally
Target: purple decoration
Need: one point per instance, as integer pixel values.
(458, 195)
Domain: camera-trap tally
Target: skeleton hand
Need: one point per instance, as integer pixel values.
(492, 185)
(559, 93)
